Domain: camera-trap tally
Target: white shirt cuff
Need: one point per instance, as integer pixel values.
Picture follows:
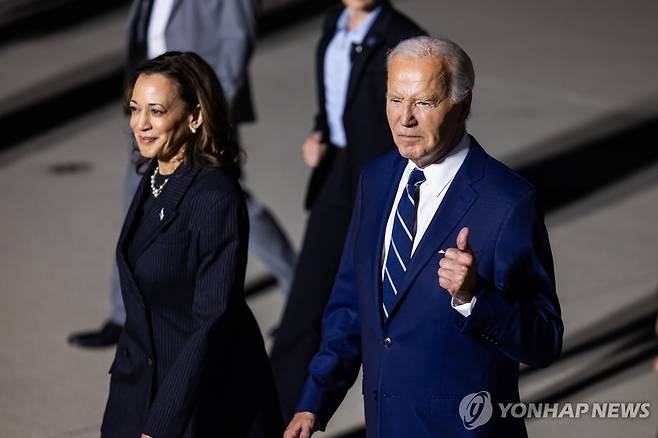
(465, 309)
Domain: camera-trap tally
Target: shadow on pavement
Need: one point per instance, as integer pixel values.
(86, 93)
(585, 168)
(32, 19)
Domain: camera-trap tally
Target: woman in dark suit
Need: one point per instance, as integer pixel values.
(190, 361)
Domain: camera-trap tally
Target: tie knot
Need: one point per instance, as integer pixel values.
(416, 178)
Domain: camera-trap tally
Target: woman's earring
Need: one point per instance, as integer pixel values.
(192, 129)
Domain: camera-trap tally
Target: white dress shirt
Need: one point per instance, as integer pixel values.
(156, 44)
(438, 177)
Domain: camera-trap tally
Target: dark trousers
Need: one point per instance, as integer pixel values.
(299, 334)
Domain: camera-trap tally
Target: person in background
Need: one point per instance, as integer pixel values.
(223, 32)
(190, 361)
(446, 281)
(350, 130)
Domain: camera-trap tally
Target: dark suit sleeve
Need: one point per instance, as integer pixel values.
(518, 310)
(317, 124)
(219, 275)
(335, 367)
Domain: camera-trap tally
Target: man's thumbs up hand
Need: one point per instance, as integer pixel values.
(462, 240)
(458, 270)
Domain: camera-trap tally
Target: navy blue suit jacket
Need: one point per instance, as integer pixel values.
(421, 362)
(191, 356)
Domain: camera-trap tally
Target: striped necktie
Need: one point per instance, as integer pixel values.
(402, 239)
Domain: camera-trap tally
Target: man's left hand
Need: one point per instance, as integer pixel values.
(458, 270)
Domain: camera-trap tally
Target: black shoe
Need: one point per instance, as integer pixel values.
(107, 336)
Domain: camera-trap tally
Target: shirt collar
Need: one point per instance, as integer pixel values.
(361, 31)
(437, 175)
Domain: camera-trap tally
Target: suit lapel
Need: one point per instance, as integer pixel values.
(458, 200)
(368, 47)
(166, 211)
(327, 34)
(134, 205)
(122, 262)
(132, 19)
(138, 18)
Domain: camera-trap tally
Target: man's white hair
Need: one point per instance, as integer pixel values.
(460, 77)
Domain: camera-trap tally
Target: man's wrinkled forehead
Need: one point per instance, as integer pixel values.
(428, 75)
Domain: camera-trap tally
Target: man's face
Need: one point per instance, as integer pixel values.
(425, 123)
(361, 5)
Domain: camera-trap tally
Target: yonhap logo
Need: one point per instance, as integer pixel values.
(475, 409)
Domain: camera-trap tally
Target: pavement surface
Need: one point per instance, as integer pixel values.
(564, 90)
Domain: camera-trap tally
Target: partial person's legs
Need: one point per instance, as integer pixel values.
(299, 334)
(109, 333)
(268, 242)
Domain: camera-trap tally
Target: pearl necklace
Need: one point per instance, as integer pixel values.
(157, 190)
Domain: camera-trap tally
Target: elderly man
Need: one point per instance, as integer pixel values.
(446, 281)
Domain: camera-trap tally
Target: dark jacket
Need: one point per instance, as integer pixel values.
(364, 118)
(191, 360)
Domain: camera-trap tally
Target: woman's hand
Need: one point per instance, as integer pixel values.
(145, 436)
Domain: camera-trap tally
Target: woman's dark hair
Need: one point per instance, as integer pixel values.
(215, 143)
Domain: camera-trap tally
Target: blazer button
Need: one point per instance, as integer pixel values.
(125, 352)
(388, 342)
(150, 362)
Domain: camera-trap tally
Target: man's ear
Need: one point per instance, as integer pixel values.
(466, 107)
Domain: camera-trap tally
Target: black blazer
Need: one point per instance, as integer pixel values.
(190, 361)
(364, 118)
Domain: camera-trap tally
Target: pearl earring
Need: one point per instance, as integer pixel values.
(192, 129)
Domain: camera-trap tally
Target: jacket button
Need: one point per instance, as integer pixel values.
(388, 342)
(125, 352)
(150, 362)
(374, 395)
